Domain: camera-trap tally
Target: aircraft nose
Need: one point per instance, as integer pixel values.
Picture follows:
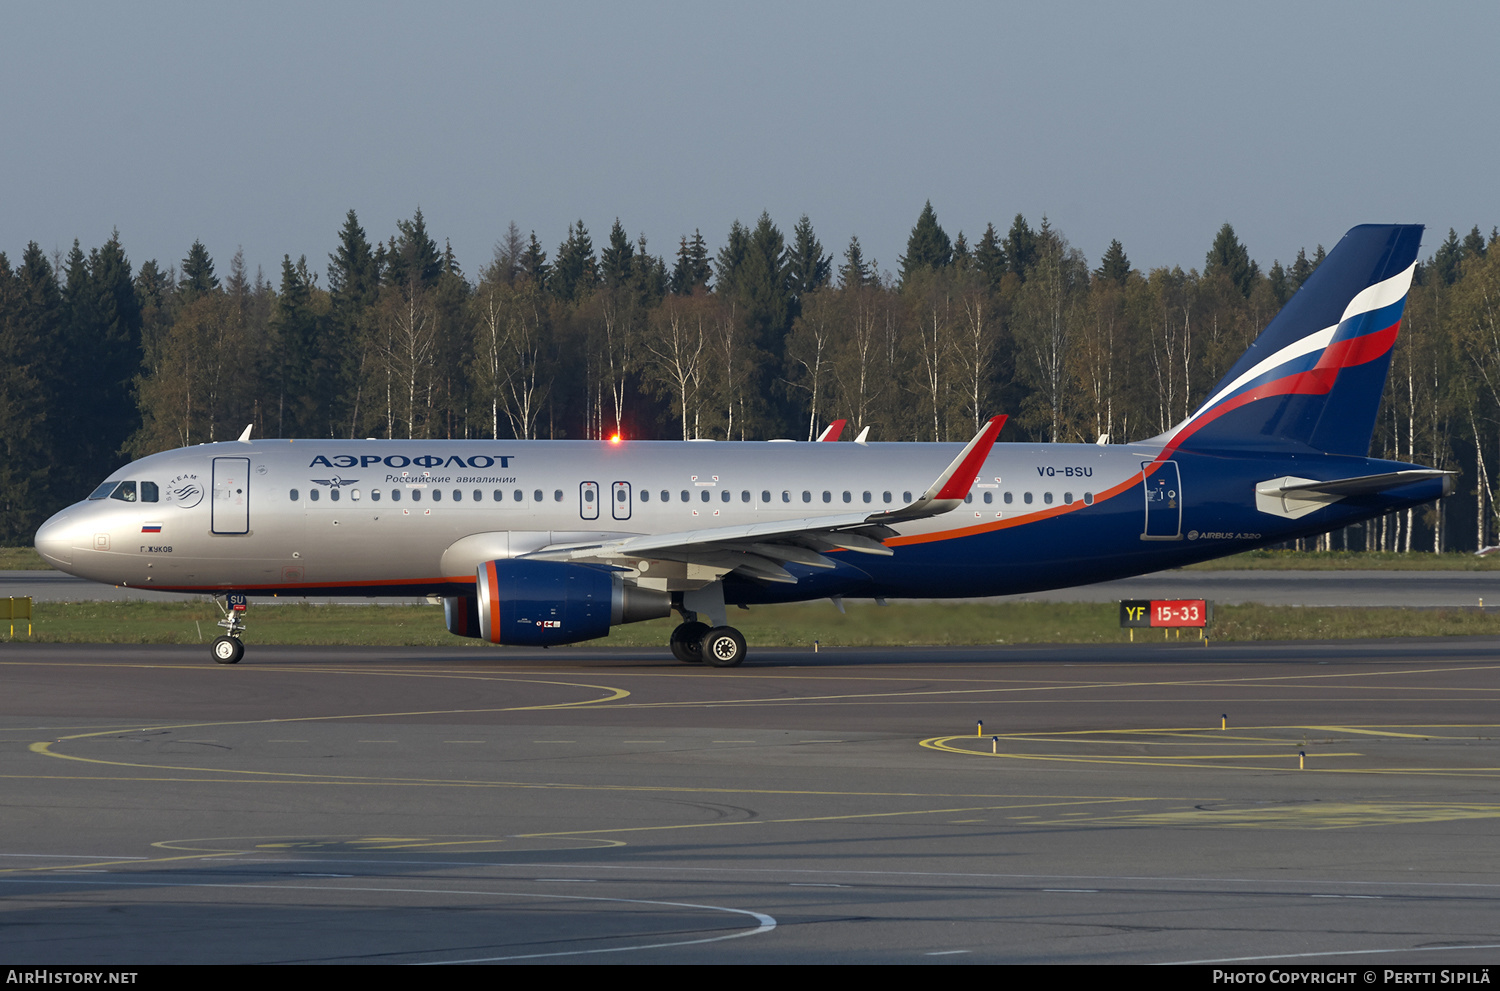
(54, 541)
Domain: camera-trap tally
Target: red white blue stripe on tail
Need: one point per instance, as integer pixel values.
(1313, 379)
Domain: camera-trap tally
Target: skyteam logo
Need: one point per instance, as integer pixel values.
(420, 461)
(185, 491)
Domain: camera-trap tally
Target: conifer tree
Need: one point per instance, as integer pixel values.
(197, 274)
(1114, 266)
(854, 273)
(576, 272)
(534, 264)
(617, 261)
(928, 247)
(1445, 260)
(989, 259)
(1474, 244)
(963, 258)
(1021, 248)
(1300, 270)
(692, 269)
(730, 258)
(1280, 283)
(1230, 258)
(808, 267)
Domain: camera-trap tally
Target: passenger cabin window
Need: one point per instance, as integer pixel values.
(374, 495)
(556, 495)
(645, 495)
(312, 494)
(294, 495)
(1026, 498)
(333, 494)
(536, 496)
(1047, 498)
(1009, 498)
(437, 495)
(416, 495)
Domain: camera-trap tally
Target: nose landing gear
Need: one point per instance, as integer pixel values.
(229, 649)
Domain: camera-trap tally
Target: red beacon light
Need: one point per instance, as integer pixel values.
(614, 439)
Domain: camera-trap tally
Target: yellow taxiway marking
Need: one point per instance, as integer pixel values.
(1311, 815)
(1222, 748)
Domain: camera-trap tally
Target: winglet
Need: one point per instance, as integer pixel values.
(832, 431)
(949, 489)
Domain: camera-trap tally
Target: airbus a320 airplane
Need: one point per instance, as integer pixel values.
(554, 542)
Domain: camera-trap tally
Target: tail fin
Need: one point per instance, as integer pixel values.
(1314, 378)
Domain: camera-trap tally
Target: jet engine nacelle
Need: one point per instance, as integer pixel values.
(543, 603)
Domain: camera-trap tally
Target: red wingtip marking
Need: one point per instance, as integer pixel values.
(963, 479)
(834, 430)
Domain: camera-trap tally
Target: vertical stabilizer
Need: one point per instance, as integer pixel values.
(1314, 378)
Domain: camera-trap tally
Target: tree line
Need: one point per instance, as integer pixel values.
(769, 336)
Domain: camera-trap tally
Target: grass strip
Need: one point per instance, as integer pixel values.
(864, 624)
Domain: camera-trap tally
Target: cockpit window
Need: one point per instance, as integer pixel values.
(103, 491)
(149, 492)
(125, 492)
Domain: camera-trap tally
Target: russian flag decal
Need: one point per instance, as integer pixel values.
(151, 528)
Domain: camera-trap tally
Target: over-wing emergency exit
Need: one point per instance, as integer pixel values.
(554, 542)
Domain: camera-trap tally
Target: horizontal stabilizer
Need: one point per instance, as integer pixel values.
(1293, 497)
(1363, 485)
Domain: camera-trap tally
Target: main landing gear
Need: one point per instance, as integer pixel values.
(720, 646)
(229, 649)
(694, 641)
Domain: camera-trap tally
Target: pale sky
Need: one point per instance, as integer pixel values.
(261, 124)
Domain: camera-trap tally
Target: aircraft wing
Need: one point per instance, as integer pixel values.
(758, 550)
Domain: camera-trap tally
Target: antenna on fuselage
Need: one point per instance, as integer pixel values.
(245, 435)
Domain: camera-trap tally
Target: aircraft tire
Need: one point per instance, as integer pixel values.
(723, 647)
(687, 642)
(228, 650)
